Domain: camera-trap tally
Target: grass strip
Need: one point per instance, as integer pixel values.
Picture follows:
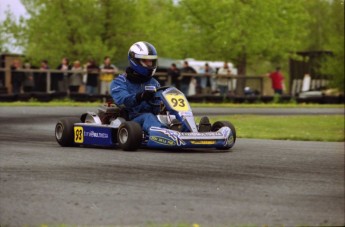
(297, 127)
(328, 128)
(50, 104)
(267, 105)
(67, 102)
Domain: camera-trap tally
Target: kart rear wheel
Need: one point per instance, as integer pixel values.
(64, 131)
(219, 124)
(129, 136)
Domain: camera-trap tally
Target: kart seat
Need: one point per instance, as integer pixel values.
(124, 113)
(108, 112)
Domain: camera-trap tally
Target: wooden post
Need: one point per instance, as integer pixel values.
(48, 81)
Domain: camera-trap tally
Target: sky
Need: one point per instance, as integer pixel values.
(15, 7)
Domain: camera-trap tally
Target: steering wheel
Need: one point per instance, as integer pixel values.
(162, 88)
(151, 102)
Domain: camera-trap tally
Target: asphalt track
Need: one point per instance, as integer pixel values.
(259, 182)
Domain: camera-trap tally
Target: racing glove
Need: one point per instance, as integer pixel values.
(144, 96)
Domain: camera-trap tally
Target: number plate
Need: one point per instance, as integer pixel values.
(78, 134)
(177, 102)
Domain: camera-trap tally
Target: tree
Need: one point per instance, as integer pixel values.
(238, 30)
(6, 37)
(62, 28)
(80, 29)
(335, 65)
(245, 32)
(318, 26)
(326, 32)
(2, 37)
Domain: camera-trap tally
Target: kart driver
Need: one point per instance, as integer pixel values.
(128, 89)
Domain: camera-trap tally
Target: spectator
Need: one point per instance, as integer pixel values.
(186, 80)
(76, 78)
(2, 73)
(92, 78)
(28, 84)
(207, 79)
(277, 79)
(63, 78)
(174, 74)
(40, 79)
(17, 77)
(222, 81)
(108, 71)
(2, 78)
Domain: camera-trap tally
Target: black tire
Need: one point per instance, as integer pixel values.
(129, 136)
(218, 124)
(64, 131)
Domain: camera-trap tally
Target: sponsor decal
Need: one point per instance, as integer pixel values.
(201, 134)
(186, 114)
(228, 139)
(150, 88)
(96, 135)
(115, 88)
(162, 140)
(203, 142)
(171, 134)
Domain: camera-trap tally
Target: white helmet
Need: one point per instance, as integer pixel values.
(139, 51)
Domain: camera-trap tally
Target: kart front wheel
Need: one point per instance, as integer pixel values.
(129, 136)
(64, 131)
(219, 124)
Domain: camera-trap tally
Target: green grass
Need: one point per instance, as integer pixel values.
(306, 128)
(267, 105)
(68, 102)
(51, 104)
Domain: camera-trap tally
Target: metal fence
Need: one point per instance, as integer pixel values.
(256, 83)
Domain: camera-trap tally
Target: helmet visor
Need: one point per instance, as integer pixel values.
(144, 56)
(148, 63)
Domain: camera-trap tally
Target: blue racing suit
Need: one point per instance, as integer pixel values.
(123, 92)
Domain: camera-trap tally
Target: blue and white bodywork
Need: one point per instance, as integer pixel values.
(109, 127)
(165, 138)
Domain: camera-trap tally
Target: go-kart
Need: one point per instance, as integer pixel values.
(110, 127)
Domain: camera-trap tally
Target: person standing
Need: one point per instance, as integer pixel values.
(108, 71)
(92, 78)
(174, 73)
(277, 79)
(41, 77)
(76, 78)
(62, 79)
(223, 80)
(206, 81)
(186, 80)
(17, 77)
(28, 84)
